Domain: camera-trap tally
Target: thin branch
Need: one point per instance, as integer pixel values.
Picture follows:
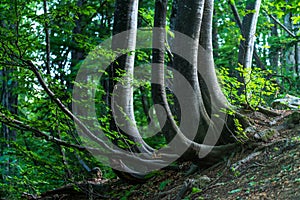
(20, 125)
(187, 185)
(236, 16)
(63, 108)
(63, 155)
(94, 15)
(280, 24)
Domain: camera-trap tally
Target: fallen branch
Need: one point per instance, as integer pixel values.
(187, 185)
(162, 194)
(268, 112)
(238, 164)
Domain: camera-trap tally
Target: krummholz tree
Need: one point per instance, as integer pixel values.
(194, 19)
(202, 104)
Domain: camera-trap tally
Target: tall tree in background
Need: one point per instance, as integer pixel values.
(247, 44)
(77, 53)
(8, 95)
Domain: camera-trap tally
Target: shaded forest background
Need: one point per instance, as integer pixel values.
(48, 40)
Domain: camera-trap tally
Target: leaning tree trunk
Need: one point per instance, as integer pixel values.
(238, 20)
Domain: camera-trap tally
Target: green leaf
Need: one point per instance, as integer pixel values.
(235, 191)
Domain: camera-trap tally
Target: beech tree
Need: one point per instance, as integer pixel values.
(205, 103)
(41, 54)
(195, 136)
(246, 48)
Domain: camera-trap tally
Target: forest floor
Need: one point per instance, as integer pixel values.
(270, 170)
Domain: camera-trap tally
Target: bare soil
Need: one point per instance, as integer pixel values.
(268, 169)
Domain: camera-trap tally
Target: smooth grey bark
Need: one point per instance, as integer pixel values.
(188, 22)
(249, 27)
(290, 52)
(195, 150)
(121, 91)
(247, 45)
(158, 40)
(213, 97)
(238, 20)
(215, 36)
(274, 51)
(292, 57)
(205, 55)
(158, 91)
(297, 63)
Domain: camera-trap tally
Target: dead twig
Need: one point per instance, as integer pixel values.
(187, 185)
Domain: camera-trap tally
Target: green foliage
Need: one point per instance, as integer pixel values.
(196, 190)
(240, 134)
(235, 191)
(235, 172)
(164, 183)
(258, 88)
(147, 16)
(29, 163)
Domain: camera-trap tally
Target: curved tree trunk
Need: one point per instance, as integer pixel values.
(188, 22)
(214, 100)
(121, 90)
(179, 141)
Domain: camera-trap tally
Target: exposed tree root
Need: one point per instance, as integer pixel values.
(268, 112)
(238, 164)
(187, 185)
